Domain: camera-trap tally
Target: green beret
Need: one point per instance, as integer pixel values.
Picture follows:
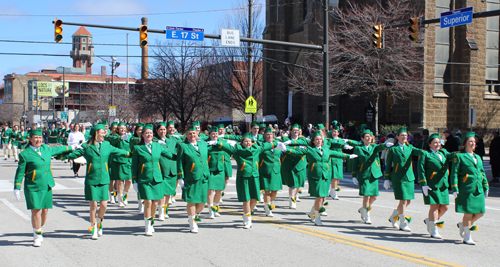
(148, 126)
(432, 137)
(247, 135)
(162, 124)
(221, 126)
(36, 132)
(214, 129)
(254, 123)
(336, 123)
(99, 126)
(321, 126)
(336, 127)
(197, 123)
(171, 123)
(103, 122)
(426, 132)
(122, 124)
(402, 130)
(191, 128)
(363, 127)
(262, 125)
(467, 135)
(367, 131)
(268, 130)
(296, 126)
(114, 124)
(317, 133)
(140, 124)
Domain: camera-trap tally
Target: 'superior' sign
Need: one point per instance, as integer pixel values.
(187, 34)
(456, 17)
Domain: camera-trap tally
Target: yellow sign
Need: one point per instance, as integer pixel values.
(51, 89)
(250, 105)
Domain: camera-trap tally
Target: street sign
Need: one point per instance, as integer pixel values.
(248, 117)
(250, 105)
(112, 111)
(230, 37)
(64, 115)
(187, 34)
(456, 17)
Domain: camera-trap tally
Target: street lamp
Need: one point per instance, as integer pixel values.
(114, 65)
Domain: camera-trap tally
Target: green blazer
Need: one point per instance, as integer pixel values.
(97, 172)
(337, 145)
(247, 159)
(293, 162)
(23, 138)
(432, 171)
(256, 139)
(6, 135)
(319, 163)
(270, 163)
(36, 169)
(117, 142)
(367, 164)
(216, 158)
(192, 164)
(146, 165)
(168, 166)
(466, 175)
(53, 134)
(398, 163)
(14, 138)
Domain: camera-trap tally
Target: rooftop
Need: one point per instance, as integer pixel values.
(82, 32)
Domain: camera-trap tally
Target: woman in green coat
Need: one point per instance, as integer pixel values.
(147, 175)
(34, 167)
(97, 152)
(228, 167)
(121, 167)
(216, 181)
(134, 140)
(367, 171)
(270, 173)
(470, 186)
(433, 172)
(319, 174)
(399, 174)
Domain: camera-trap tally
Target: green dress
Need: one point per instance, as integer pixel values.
(469, 180)
(433, 172)
(169, 166)
(270, 170)
(399, 170)
(367, 168)
(146, 170)
(53, 135)
(193, 168)
(97, 173)
(319, 173)
(293, 167)
(217, 165)
(6, 135)
(336, 144)
(37, 174)
(120, 166)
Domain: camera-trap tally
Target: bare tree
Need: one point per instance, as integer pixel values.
(101, 100)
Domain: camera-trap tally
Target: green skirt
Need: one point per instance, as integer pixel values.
(470, 203)
(195, 191)
(368, 187)
(293, 179)
(37, 200)
(169, 185)
(228, 168)
(120, 171)
(247, 188)
(96, 192)
(151, 191)
(217, 181)
(337, 170)
(404, 190)
(319, 188)
(271, 182)
(437, 196)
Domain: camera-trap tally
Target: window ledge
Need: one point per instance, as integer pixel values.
(440, 95)
(490, 96)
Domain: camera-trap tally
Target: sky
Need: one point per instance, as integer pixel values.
(28, 20)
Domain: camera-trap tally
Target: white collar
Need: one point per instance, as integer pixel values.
(400, 144)
(34, 148)
(433, 150)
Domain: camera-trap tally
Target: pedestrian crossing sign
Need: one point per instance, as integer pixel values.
(250, 105)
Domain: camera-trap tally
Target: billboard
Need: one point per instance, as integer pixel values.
(52, 89)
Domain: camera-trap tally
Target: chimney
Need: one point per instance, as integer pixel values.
(103, 72)
(145, 59)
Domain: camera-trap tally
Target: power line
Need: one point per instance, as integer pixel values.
(60, 55)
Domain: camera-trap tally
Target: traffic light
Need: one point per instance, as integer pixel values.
(143, 35)
(413, 30)
(378, 36)
(58, 30)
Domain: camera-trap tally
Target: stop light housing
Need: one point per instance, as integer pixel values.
(143, 35)
(378, 42)
(414, 31)
(58, 30)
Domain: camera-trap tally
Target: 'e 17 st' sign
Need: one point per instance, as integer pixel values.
(188, 34)
(456, 17)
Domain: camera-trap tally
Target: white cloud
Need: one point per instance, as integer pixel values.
(21, 70)
(108, 7)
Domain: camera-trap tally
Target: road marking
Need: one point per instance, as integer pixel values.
(16, 210)
(6, 186)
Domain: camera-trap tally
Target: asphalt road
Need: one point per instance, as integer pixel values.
(287, 239)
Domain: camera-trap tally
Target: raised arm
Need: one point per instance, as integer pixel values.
(120, 152)
(59, 150)
(165, 153)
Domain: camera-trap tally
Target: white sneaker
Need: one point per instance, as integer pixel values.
(362, 212)
(297, 199)
(368, 220)
(120, 201)
(403, 223)
(333, 193)
(292, 203)
(37, 237)
(394, 219)
(193, 225)
(37, 242)
(323, 213)
(112, 199)
(247, 221)
(268, 207)
(125, 199)
(434, 231)
(161, 215)
(93, 230)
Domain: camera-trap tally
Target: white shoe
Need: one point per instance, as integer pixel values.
(193, 225)
(323, 213)
(99, 226)
(268, 207)
(403, 223)
(427, 223)
(37, 241)
(292, 203)
(394, 219)
(161, 215)
(363, 213)
(141, 207)
(460, 229)
(333, 193)
(211, 213)
(172, 199)
(120, 201)
(125, 199)
(434, 231)
(148, 227)
(247, 221)
(317, 217)
(311, 214)
(467, 237)
(93, 230)
(261, 196)
(220, 202)
(112, 199)
(297, 199)
(367, 216)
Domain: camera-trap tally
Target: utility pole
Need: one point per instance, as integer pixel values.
(64, 92)
(113, 59)
(326, 84)
(250, 52)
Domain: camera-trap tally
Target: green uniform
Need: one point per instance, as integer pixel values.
(14, 138)
(23, 138)
(53, 134)
(433, 172)
(87, 135)
(367, 168)
(37, 174)
(120, 166)
(192, 167)
(146, 170)
(255, 138)
(169, 166)
(293, 167)
(319, 173)
(270, 170)
(6, 135)
(217, 165)
(469, 180)
(399, 170)
(336, 144)
(97, 173)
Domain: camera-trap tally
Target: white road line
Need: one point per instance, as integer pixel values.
(16, 210)
(59, 187)
(6, 186)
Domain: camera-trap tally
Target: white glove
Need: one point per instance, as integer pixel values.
(75, 147)
(348, 147)
(388, 144)
(212, 143)
(287, 142)
(486, 193)
(136, 187)
(302, 147)
(353, 156)
(181, 182)
(124, 137)
(355, 180)
(17, 194)
(281, 146)
(387, 184)
(160, 142)
(177, 136)
(425, 190)
(231, 142)
(455, 194)
(345, 140)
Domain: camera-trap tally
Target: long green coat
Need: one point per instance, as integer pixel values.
(367, 168)
(399, 170)
(121, 166)
(217, 165)
(293, 167)
(270, 170)
(433, 172)
(336, 144)
(192, 166)
(469, 180)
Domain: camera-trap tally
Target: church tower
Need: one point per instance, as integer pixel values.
(83, 50)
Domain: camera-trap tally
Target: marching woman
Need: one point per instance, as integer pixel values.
(433, 173)
(34, 165)
(134, 140)
(246, 154)
(97, 152)
(470, 186)
(270, 173)
(193, 174)
(228, 167)
(121, 167)
(366, 171)
(216, 181)
(293, 167)
(146, 173)
(319, 174)
(399, 174)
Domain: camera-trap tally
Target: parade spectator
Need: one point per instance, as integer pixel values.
(495, 157)
(451, 144)
(479, 147)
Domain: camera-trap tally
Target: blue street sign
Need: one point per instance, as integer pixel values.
(456, 17)
(188, 34)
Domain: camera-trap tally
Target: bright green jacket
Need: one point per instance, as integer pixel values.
(146, 165)
(398, 163)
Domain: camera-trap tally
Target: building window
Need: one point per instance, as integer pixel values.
(492, 49)
(442, 70)
(493, 88)
(83, 40)
(83, 47)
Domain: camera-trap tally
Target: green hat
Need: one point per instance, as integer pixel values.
(402, 130)
(254, 123)
(297, 126)
(467, 135)
(336, 123)
(247, 135)
(36, 132)
(363, 127)
(214, 129)
(336, 127)
(140, 124)
(221, 126)
(162, 124)
(103, 122)
(321, 126)
(426, 132)
(262, 125)
(317, 133)
(191, 128)
(432, 136)
(114, 124)
(367, 131)
(122, 124)
(148, 126)
(268, 130)
(171, 123)
(99, 126)
(197, 123)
